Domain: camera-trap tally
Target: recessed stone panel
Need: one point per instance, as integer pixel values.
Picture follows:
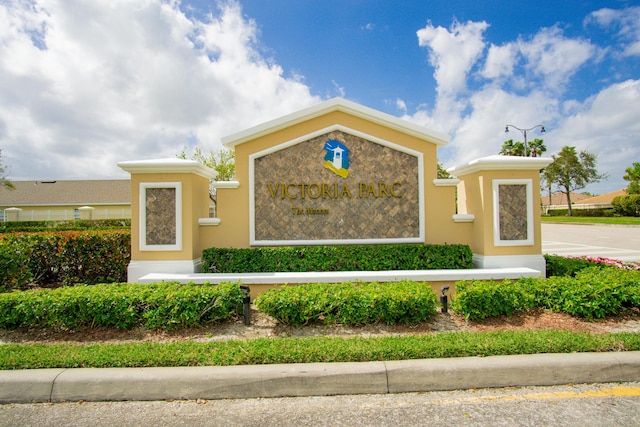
(302, 193)
(513, 212)
(160, 216)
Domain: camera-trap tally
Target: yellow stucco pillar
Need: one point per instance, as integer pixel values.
(503, 195)
(168, 198)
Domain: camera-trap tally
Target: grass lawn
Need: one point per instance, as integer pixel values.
(311, 349)
(593, 220)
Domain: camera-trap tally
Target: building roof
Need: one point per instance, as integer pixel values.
(61, 193)
(561, 198)
(603, 198)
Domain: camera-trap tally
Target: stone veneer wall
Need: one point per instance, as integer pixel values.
(365, 214)
(160, 216)
(513, 212)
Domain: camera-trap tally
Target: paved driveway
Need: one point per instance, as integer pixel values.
(610, 241)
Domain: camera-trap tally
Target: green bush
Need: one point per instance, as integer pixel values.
(70, 225)
(628, 205)
(336, 258)
(478, 300)
(566, 266)
(588, 213)
(594, 293)
(349, 303)
(14, 271)
(71, 257)
(123, 306)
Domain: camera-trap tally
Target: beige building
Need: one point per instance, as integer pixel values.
(66, 200)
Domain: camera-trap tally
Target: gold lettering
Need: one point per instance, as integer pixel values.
(394, 191)
(382, 186)
(317, 191)
(273, 191)
(326, 191)
(345, 191)
(289, 196)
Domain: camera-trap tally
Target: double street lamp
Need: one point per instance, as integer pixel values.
(524, 133)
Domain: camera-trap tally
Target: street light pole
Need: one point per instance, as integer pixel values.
(524, 133)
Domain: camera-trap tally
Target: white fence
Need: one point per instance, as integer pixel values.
(67, 214)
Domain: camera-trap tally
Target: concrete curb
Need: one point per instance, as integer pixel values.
(315, 379)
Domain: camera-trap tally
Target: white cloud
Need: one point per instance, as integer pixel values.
(608, 126)
(554, 57)
(500, 61)
(523, 82)
(453, 52)
(84, 85)
(627, 23)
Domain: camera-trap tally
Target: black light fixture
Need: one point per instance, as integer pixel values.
(524, 133)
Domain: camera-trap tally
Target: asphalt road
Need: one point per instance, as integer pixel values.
(609, 241)
(572, 405)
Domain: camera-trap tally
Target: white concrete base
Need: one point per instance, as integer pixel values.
(344, 276)
(535, 262)
(138, 269)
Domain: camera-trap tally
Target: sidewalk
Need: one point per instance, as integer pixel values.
(316, 379)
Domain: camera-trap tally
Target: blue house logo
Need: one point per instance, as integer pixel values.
(337, 158)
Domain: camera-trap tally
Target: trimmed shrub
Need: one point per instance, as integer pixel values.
(71, 257)
(566, 266)
(594, 293)
(349, 303)
(71, 225)
(336, 258)
(477, 300)
(123, 306)
(595, 212)
(14, 271)
(628, 205)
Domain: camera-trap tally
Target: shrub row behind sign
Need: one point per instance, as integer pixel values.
(337, 258)
(66, 257)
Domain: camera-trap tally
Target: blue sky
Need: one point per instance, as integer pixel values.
(85, 84)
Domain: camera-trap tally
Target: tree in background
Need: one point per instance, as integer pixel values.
(222, 161)
(442, 172)
(3, 176)
(633, 176)
(510, 148)
(572, 171)
(535, 148)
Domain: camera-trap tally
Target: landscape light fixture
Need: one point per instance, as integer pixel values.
(443, 299)
(524, 133)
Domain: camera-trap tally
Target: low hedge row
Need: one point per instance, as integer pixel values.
(570, 266)
(349, 303)
(337, 258)
(77, 225)
(593, 293)
(122, 306)
(66, 257)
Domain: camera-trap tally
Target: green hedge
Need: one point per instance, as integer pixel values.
(122, 306)
(67, 257)
(594, 293)
(596, 212)
(570, 266)
(349, 303)
(628, 205)
(77, 225)
(337, 258)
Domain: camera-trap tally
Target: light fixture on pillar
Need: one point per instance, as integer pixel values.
(524, 133)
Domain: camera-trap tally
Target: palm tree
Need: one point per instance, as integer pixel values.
(509, 148)
(536, 148)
